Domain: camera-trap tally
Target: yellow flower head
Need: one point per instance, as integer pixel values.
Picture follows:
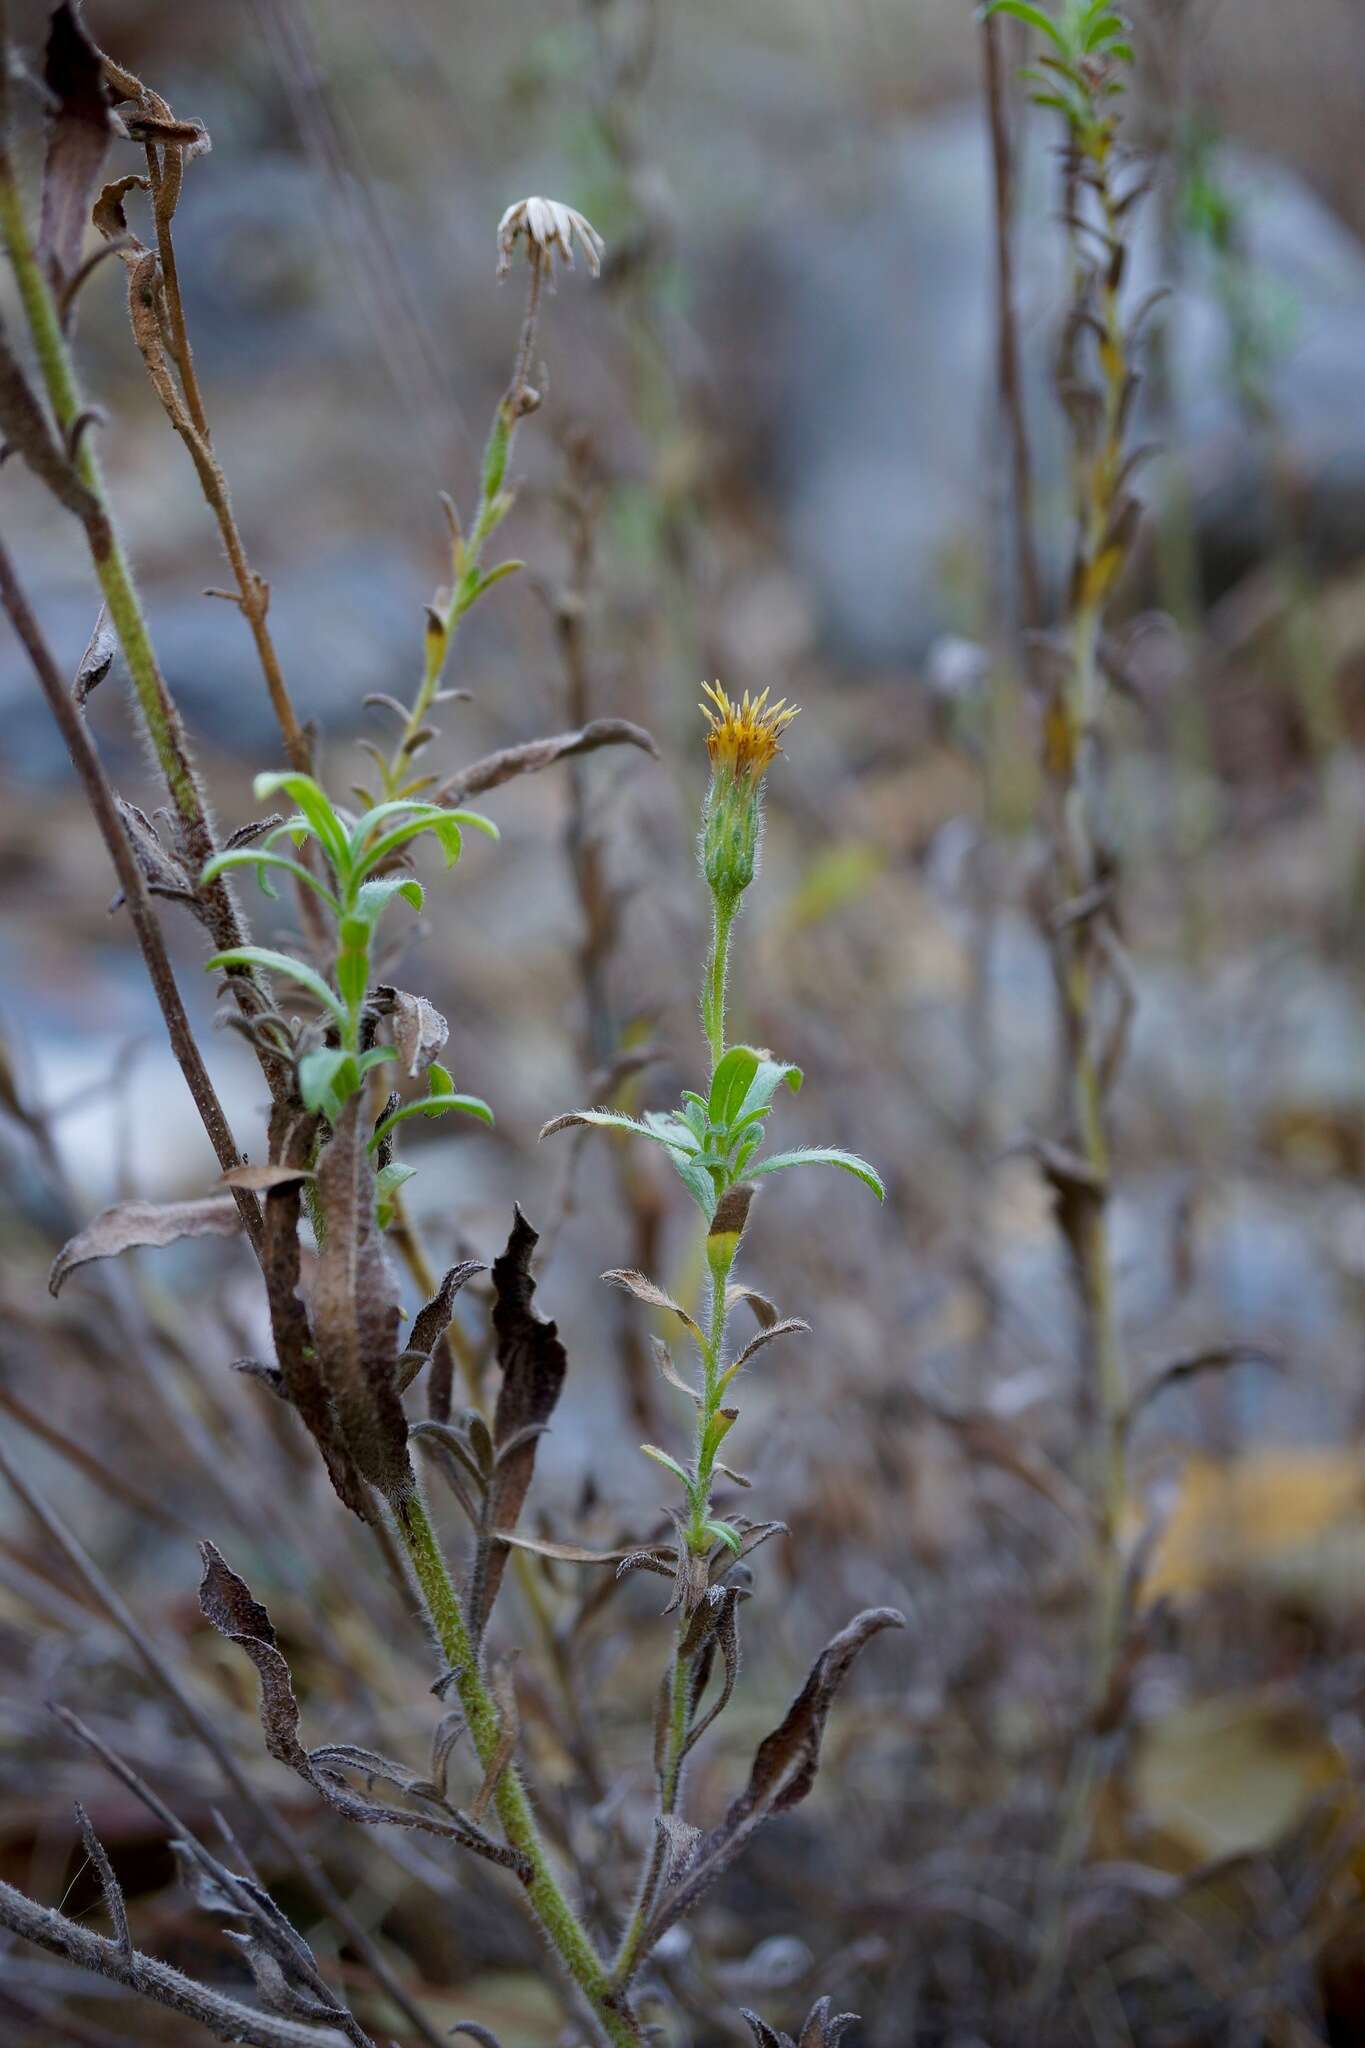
(744, 737)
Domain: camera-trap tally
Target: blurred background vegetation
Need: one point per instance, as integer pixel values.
(770, 451)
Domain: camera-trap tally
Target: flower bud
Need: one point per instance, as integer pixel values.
(742, 744)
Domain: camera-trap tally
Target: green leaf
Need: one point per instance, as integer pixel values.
(387, 1182)
(822, 1155)
(730, 1082)
(438, 1101)
(416, 806)
(724, 1532)
(678, 1140)
(486, 582)
(698, 1182)
(768, 1078)
(281, 963)
(669, 1464)
(372, 899)
(328, 1078)
(317, 808)
(1034, 17)
(261, 858)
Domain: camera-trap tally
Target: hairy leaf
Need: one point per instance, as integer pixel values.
(226, 1600)
(356, 1312)
(649, 1291)
(300, 1369)
(783, 1771)
(508, 762)
(127, 1225)
(77, 138)
(533, 1364)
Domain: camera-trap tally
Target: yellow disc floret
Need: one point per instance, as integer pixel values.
(744, 737)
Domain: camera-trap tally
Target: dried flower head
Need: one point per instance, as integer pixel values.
(744, 737)
(549, 227)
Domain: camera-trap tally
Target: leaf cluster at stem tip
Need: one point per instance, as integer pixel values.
(714, 1140)
(356, 893)
(1085, 41)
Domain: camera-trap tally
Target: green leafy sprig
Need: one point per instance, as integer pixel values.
(356, 894)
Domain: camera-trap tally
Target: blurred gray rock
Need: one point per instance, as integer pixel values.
(870, 371)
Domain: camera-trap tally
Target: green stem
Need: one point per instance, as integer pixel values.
(562, 1927)
(493, 505)
(111, 564)
(717, 971)
(670, 1773)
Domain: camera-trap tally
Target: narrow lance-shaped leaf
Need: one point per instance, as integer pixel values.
(281, 963)
(127, 1225)
(822, 1155)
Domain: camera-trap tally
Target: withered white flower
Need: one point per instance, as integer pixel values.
(549, 227)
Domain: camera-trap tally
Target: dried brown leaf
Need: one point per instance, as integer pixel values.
(226, 1601)
(649, 1291)
(261, 1179)
(533, 1365)
(783, 1770)
(97, 659)
(663, 1358)
(77, 138)
(127, 1225)
(419, 1030)
(294, 1346)
(576, 1553)
(111, 220)
(529, 759)
(356, 1312)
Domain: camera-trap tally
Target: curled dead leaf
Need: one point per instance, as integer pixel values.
(128, 1225)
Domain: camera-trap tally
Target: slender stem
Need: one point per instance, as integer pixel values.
(1079, 968)
(717, 972)
(253, 593)
(493, 504)
(225, 2018)
(159, 1667)
(558, 1920)
(111, 564)
(135, 892)
(680, 1675)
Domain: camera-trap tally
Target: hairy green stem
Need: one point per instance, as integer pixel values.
(111, 564)
(717, 972)
(515, 403)
(560, 1923)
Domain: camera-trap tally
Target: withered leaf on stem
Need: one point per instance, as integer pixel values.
(97, 659)
(715, 1626)
(431, 1323)
(417, 1027)
(77, 138)
(651, 1294)
(783, 1771)
(227, 1602)
(537, 754)
(823, 2029)
(356, 1312)
(127, 1225)
(294, 1348)
(533, 1365)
